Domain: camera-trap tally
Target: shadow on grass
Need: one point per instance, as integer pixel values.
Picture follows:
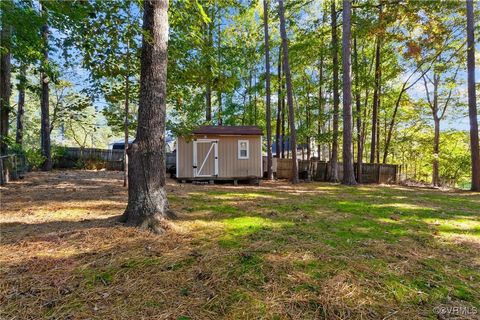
(31, 232)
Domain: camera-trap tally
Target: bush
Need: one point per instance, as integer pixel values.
(34, 157)
(58, 152)
(90, 164)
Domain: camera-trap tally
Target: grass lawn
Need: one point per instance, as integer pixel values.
(312, 251)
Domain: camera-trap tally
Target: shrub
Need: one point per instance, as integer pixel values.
(34, 157)
(58, 152)
(90, 164)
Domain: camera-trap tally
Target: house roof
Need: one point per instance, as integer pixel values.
(229, 130)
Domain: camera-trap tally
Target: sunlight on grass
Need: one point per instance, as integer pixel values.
(463, 226)
(236, 228)
(310, 251)
(406, 206)
(243, 196)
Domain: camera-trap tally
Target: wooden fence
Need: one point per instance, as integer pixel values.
(12, 167)
(319, 171)
(103, 158)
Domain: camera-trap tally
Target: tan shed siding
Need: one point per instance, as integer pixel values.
(185, 158)
(229, 166)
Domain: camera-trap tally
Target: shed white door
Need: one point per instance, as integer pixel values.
(205, 158)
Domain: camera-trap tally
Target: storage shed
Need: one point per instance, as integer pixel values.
(220, 153)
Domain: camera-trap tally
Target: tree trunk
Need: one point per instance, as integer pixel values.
(208, 102)
(44, 103)
(348, 171)
(472, 104)
(219, 111)
(127, 111)
(376, 102)
(436, 151)
(147, 198)
(219, 92)
(255, 100)
(21, 106)
(321, 111)
(376, 94)
(279, 106)
(208, 89)
(249, 108)
(377, 149)
(308, 121)
(267, 91)
(283, 113)
(5, 91)
(288, 78)
(5, 83)
(359, 113)
(333, 172)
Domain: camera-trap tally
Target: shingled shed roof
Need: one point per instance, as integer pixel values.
(229, 130)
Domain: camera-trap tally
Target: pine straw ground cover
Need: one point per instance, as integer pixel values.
(311, 251)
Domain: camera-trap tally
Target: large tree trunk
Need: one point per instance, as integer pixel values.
(267, 92)
(333, 171)
(359, 113)
(21, 106)
(288, 79)
(279, 106)
(5, 91)
(5, 83)
(44, 103)
(147, 198)
(472, 104)
(283, 113)
(348, 171)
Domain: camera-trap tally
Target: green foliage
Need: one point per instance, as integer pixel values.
(34, 157)
(57, 153)
(218, 46)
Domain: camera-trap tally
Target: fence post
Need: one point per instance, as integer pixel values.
(2, 173)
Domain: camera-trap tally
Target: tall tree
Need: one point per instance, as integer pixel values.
(44, 99)
(333, 170)
(267, 91)
(438, 109)
(376, 93)
(321, 111)
(288, 80)
(348, 171)
(359, 113)
(279, 105)
(147, 198)
(5, 91)
(22, 79)
(5, 80)
(472, 103)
